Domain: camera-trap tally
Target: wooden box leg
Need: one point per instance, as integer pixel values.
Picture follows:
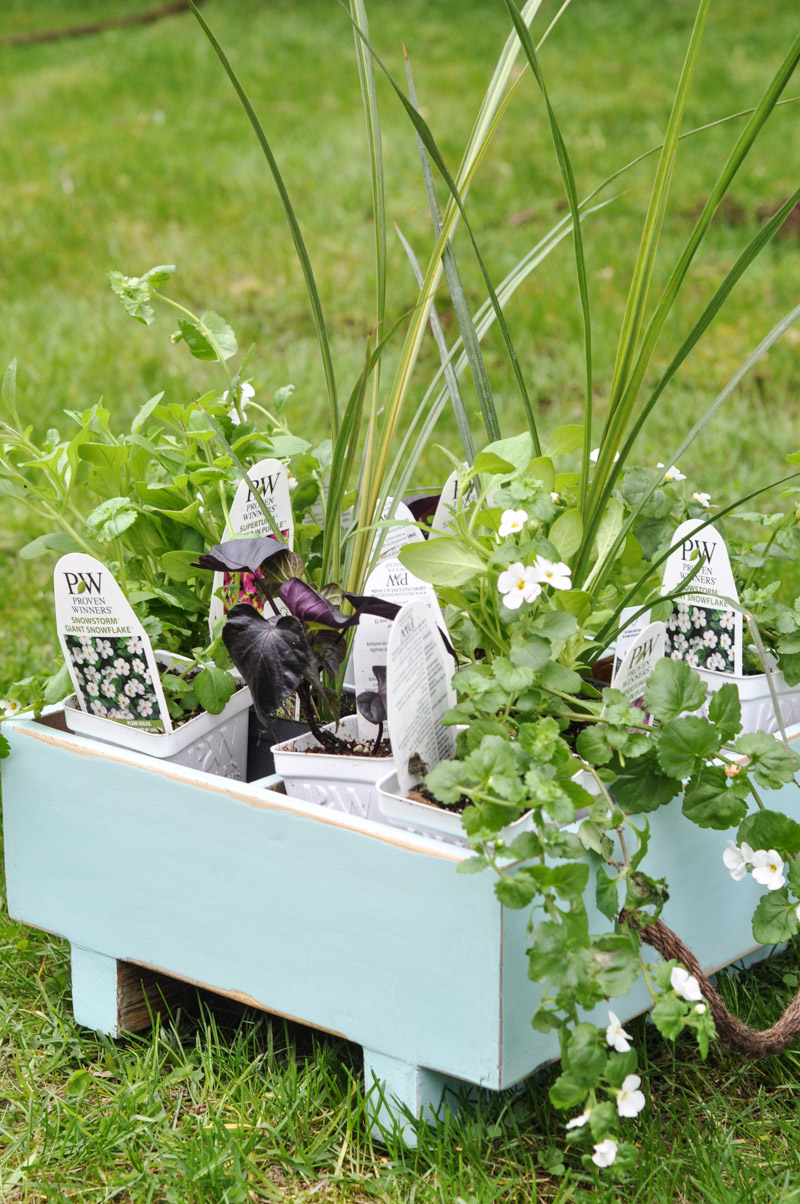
(393, 1086)
(116, 997)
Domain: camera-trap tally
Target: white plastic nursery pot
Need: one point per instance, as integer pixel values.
(758, 709)
(342, 783)
(214, 743)
(426, 820)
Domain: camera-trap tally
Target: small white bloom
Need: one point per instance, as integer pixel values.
(681, 642)
(135, 645)
(138, 666)
(10, 706)
(768, 869)
(552, 573)
(616, 1036)
(685, 984)
(725, 641)
(698, 617)
(710, 638)
(518, 584)
(727, 620)
(578, 1122)
(692, 660)
(684, 622)
(122, 667)
(676, 655)
(700, 1008)
(246, 391)
(105, 649)
(735, 859)
(145, 707)
(554, 497)
(92, 674)
(702, 499)
(605, 1152)
(109, 688)
(672, 473)
(99, 709)
(90, 656)
(92, 689)
(630, 1100)
(594, 455)
(512, 522)
(716, 662)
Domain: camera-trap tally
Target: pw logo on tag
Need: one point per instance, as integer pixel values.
(83, 583)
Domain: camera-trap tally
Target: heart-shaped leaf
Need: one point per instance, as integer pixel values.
(239, 555)
(372, 703)
(309, 606)
(272, 655)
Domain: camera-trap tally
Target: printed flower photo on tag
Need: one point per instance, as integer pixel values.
(702, 636)
(113, 676)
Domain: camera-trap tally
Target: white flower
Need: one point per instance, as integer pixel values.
(727, 620)
(99, 709)
(554, 497)
(133, 687)
(246, 391)
(121, 667)
(578, 1122)
(616, 1036)
(77, 656)
(735, 859)
(698, 617)
(10, 706)
(692, 660)
(710, 638)
(725, 641)
(105, 649)
(605, 1152)
(681, 642)
(145, 707)
(594, 455)
(716, 662)
(797, 911)
(90, 656)
(518, 584)
(700, 1008)
(672, 474)
(92, 674)
(109, 689)
(135, 645)
(512, 522)
(85, 640)
(92, 688)
(768, 869)
(676, 655)
(702, 499)
(552, 573)
(138, 666)
(685, 984)
(630, 1100)
(684, 622)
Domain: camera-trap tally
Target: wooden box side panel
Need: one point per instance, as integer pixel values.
(388, 946)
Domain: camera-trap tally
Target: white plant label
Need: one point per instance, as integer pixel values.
(270, 478)
(448, 502)
(394, 583)
(108, 654)
(639, 662)
(704, 629)
(419, 676)
(396, 537)
(627, 638)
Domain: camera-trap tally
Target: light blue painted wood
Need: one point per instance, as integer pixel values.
(341, 923)
(94, 990)
(397, 1091)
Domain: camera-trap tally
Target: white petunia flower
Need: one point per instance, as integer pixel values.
(512, 522)
(578, 1122)
(518, 584)
(702, 499)
(672, 473)
(735, 859)
(616, 1036)
(685, 984)
(630, 1100)
(605, 1152)
(768, 869)
(552, 573)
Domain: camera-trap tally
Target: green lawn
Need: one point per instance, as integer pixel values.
(129, 149)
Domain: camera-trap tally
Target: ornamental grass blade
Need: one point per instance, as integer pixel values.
(291, 219)
(469, 336)
(568, 180)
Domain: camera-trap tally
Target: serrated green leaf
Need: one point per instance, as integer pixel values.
(672, 689)
(725, 710)
(473, 865)
(214, 688)
(513, 678)
(607, 894)
(667, 1015)
(770, 830)
(642, 787)
(567, 1091)
(770, 761)
(585, 1056)
(711, 801)
(683, 743)
(775, 918)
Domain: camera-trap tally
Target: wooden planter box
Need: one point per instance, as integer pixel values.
(341, 923)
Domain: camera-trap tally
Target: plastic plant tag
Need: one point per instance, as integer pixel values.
(271, 479)
(396, 537)
(419, 676)
(704, 629)
(391, 581)
(627, 638)
(448, 502)
(638, 663)
(108, 654)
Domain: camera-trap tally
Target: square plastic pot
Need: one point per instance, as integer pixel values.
(343, 783)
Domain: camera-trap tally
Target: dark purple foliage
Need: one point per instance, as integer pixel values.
(372, 703)
(240, 555)
(272, 655)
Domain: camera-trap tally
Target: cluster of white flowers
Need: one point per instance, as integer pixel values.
(767, 866)
(630, 1099)
(523, 583)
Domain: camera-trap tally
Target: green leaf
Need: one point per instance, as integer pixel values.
(725, 710)
(593, 746)
(550, 959)
(54, 541)
(177, 565)
(525, 846)
(490, 463)
(607, 894)
(684, 742)
(111, 518)
(531, 653)
(775, 918)
(770, 830)
(517, 451)
(58, 686)
(711, 800)
(559, 677)
(446, 781)
(567, 1091)
(594, 838)
(519, 889)
(513, 678)
(565, 440)
(134, 293)
(668, 1014)
(770, 761)
(195, 340)
(542, 470)
(566, 533)
(673, 688)
(213, 688)
(569, 881)
(441, 561)
(585, 1056)
(473, 865)
(557, 624)
(614, 963)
